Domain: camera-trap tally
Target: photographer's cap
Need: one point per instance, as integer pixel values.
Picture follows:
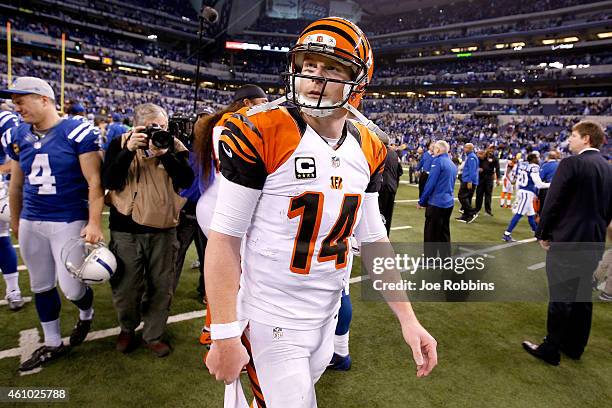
(249, 92)
(28, 85)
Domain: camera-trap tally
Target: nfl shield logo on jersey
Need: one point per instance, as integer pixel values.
(277, 333)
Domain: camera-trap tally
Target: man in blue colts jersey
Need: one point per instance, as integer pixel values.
(469, 182)
(115, 129)
(528, 182)
(547, 171)
(8, 256)
(55, 197)
(424, 167)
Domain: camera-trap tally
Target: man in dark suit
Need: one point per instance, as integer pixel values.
(386, 195)
(489, 174)
(577, 211)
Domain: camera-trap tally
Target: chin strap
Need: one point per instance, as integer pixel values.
(264, 107)
(382, 135)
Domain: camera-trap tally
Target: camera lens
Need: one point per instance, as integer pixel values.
(161, 139)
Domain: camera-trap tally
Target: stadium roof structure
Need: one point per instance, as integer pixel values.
(384, 7)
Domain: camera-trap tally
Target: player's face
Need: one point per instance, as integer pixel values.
(577, 143)
(319, 65)
(30, 107)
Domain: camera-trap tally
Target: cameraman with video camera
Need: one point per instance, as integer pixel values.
(143, 171)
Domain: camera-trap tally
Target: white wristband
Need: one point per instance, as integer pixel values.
(225, 330)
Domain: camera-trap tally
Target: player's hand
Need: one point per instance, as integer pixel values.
(226, 359)
(92, 234)
(156, 150)
(15, 229)
(419, 206)
(423, 345)
(469, 186)
(545, 244)
(137, 140)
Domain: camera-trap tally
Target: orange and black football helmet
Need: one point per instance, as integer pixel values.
(341, 40)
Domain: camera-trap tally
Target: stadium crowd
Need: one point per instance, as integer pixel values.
(520, 26)
(128, 90)
(519, 135)
(460, 11)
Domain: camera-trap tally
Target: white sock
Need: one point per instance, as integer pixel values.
(53, 336)
(12, 282)
(341, 344)
(86, 314)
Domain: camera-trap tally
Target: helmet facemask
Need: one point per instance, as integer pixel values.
(321, 107)
(89, 263)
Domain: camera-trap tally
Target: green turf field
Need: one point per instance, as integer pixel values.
(481, 362)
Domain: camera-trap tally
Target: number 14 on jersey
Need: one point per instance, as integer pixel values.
(309, 207)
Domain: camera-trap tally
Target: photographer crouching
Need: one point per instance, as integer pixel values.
(143, 171)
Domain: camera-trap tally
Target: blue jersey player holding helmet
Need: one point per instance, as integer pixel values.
(55, 197)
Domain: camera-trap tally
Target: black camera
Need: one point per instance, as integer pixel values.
(181, 127)
(162, 139)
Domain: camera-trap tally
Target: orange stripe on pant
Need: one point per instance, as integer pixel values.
(255, 387)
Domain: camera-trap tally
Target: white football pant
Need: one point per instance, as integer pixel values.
(40, 244)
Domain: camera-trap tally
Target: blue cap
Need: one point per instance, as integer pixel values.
(116, 117)
(77, 108)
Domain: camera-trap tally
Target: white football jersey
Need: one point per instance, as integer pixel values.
(207, 201)
(296, 251)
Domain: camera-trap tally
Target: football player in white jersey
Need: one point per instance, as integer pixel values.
(296, 183)
(56, 196)
(528, 182)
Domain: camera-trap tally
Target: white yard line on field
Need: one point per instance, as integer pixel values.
(29, 340)
(403, 227)
(26, 299)
(470, 251)
(537, 266)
